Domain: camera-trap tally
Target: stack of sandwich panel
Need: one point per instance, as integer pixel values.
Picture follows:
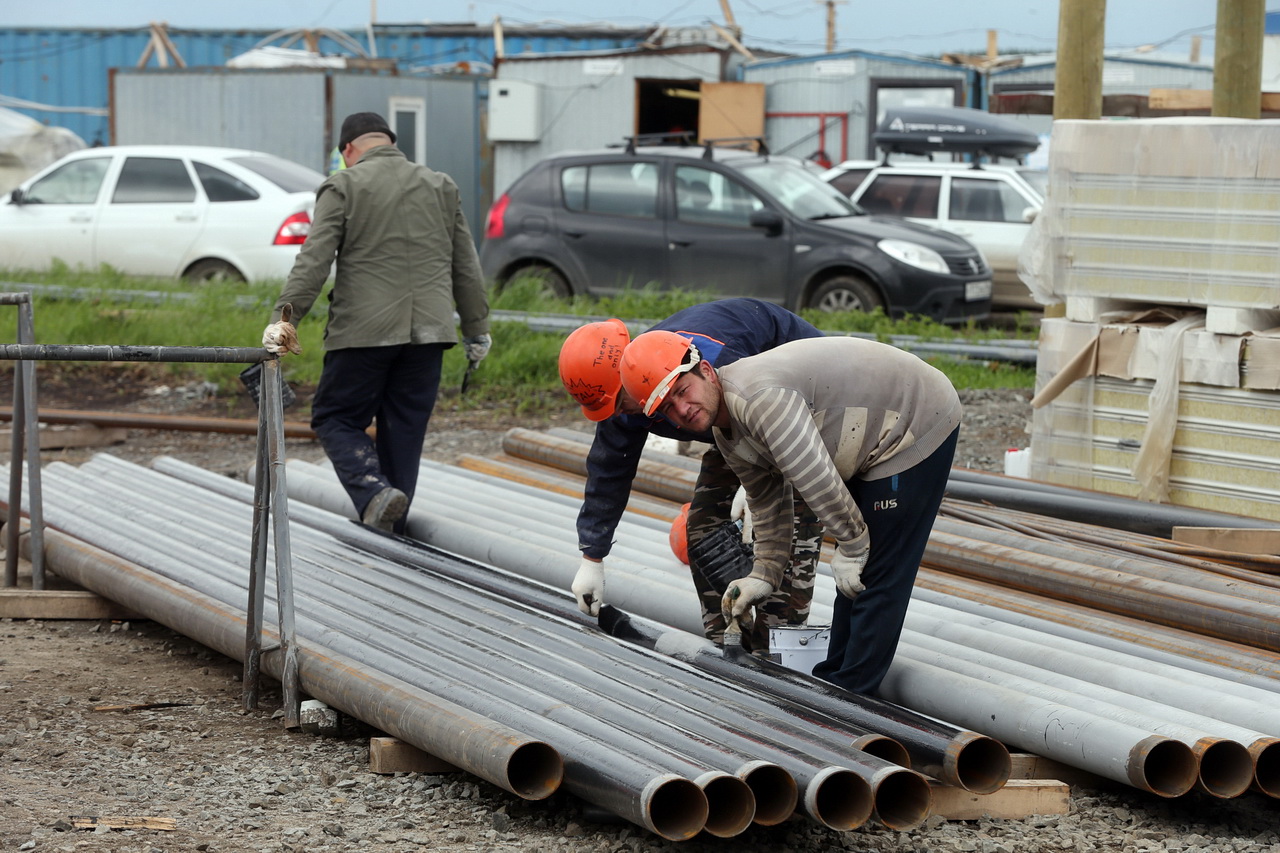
(1180, 216)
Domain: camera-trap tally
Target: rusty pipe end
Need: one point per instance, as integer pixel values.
(775, 790)
(838, 799)
(902, 799)
(976, 763)
(1265, 752)
(731, 805)
(882, 747)
(1165, 767)
(673, 808)
(1226, 767)
(535, 771)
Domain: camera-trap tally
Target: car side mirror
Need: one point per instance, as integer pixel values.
(16, 197)
(770, 221)
(1029, 214)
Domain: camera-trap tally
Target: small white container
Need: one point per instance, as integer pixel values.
(1017, 463)
(799, 647)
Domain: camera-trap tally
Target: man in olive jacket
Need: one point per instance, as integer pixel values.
(405, 259)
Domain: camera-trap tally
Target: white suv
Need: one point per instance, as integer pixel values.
(990, 205)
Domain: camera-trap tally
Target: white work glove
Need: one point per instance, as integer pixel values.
(588, 586)
(742, 595)
(740, 510)
(477, 347)
(279, 337)
(848, 570)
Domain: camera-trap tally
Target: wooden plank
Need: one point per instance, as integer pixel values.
(391, 755)
(166, 824)
(1242, 540)
(1200, 99)
(1019, 798)
(1026, 765)
(59, 604)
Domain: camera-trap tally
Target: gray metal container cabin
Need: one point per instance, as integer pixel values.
(831, 103)
(296, 113)
(548, 104)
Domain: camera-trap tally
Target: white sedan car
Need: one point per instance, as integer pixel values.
(162, 210)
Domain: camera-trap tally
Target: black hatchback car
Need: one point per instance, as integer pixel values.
(730, 222)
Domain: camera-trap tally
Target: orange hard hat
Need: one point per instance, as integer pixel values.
(652, 364)
(679, 536)
(589, 360)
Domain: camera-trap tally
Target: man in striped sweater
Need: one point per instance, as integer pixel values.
(863, 431)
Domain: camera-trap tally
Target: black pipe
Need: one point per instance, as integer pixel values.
(964, 759)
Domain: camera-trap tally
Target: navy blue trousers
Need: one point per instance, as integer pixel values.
(393, 388)
(899, 511)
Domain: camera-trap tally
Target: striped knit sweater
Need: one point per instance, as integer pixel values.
(814, 413)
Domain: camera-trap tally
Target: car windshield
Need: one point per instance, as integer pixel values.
(799, 191)
(1038, 178)
(287, 175)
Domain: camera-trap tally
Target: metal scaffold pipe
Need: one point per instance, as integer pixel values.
(510, 759)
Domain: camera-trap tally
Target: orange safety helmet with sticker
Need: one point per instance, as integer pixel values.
(652, 364)
(589, 360)
(679, 535)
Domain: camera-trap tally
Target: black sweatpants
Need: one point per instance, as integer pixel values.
(899, 511)
(391, 387)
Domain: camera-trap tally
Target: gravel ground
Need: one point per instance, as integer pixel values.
(231, 780)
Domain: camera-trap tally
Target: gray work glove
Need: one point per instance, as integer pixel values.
(477, 347)
(847, 567)
(742, 595)
(588, 586)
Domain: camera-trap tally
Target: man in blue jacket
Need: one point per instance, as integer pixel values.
(725, 331)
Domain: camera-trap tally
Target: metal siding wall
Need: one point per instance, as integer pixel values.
(280, 112)
(581, 112)
(1118, 78)
(819, 84)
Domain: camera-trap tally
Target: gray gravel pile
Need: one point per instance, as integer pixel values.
(231, 780)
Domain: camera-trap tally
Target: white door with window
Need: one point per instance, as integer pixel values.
(56, 217)
(152, 217)
(409, 124)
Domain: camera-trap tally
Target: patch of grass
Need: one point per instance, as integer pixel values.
(520, 376)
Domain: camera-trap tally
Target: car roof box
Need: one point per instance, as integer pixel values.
(928, 130)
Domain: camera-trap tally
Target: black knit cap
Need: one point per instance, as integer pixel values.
(358, 124)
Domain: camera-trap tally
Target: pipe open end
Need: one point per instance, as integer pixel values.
(1226, 768)
(1167, 768)
(885, 748)
(839, 799)
(535, 771)
(977, 763)
(775, 790)
(731, 806)
(902, 800)
(1266, 766)
(674, 808)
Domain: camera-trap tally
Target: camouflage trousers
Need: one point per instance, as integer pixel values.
(710, 508)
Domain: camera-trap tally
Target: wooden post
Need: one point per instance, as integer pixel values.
(831, 22)
(1077, 87)
(993, 52)
(1237, 59)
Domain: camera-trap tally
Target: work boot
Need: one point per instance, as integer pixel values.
(386, 509)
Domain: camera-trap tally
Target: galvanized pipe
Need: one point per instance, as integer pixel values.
(1224, 767)
(666, 804)
(1160, 765)
(1175, 646)
(526, 767)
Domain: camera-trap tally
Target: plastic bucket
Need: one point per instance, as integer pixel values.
(799, 647)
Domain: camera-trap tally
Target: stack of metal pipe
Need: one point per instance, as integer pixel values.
(1220, 625)
(527, 692)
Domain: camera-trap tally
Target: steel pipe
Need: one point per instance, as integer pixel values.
(1160, 765)
(180, 423)
(524, 766)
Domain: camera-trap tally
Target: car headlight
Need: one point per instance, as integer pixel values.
(914, 254)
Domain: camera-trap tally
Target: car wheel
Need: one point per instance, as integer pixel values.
(550, 278)
(211, 269)
(846, 293)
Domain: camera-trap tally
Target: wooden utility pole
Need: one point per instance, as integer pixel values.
(1077, 85)
(831, 21)
(730, 24)
(993, 50)
(1237, 59)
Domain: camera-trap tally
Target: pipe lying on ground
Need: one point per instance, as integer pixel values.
(526, 767)
(181, 423)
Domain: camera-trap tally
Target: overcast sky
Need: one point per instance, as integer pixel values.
(919, 27)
